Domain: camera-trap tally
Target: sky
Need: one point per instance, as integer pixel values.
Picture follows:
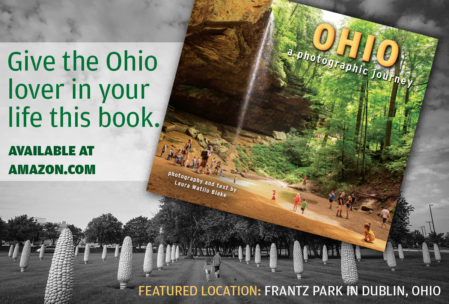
(427, 175)
(77, 202)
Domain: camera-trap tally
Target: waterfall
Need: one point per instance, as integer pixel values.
(253, 75)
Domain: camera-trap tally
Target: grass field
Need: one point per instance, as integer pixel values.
(96, 282)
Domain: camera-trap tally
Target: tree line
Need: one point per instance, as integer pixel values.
(361, 127)
(200, 231)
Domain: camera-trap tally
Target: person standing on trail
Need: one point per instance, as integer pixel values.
(304, 206)
(331, 199)
(216, 262)
(188, 146)
(341, 201)
(297, 200)
(205, 154)
(178, 158)
(348, 206)
(274, 195)
(164, 148)
(208, 268)
(170, 154)
(353, 199)
(385, 215)
(304, 182)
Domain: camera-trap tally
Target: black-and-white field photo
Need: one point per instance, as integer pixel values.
(113, 242)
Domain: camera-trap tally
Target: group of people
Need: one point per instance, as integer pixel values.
(199, 163)
(348, 202)
(342, 200)
(297, 202)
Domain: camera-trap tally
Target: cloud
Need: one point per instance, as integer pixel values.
(378, 8)
(102, 20)
(418, 23)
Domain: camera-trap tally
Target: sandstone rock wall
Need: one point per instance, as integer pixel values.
(219, 52)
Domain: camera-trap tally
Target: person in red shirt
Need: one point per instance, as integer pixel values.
(274, 195)
(297, 200)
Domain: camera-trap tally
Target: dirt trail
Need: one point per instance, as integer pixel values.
(317, 207)
(247, 203)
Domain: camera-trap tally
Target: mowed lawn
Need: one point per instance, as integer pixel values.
(96, 282)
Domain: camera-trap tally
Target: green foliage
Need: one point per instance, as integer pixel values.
(398, 155)
(350, 137)
(272, 159)
(237, 164)
(243, 157)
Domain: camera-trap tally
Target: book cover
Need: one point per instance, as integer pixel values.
(293, 115)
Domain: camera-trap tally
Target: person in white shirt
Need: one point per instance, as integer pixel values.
(385, 215)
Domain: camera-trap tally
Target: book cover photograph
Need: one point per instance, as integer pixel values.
(295, 116)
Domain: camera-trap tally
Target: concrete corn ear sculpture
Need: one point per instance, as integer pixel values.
(436, 252)
(60, 278)
(77, 250)
(173, 253)
(86, 253)
(125, 263)
(148, 260)
(167, 255)
(325, 255)
(425, 254)
(104, 253)
(25, 257)
(240, 254)
(42, 252)
(349, 272)
(16, 251)
(257, 257)
(298, 264)
(273, 257)
(160, 257)
(247, 254)
(11, 250)
(306, 253)
(391, 259)
(358, 254)
(400, 252)
(117, 251)
(177, 253)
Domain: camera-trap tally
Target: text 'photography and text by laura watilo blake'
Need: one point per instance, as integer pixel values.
(224, 151)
